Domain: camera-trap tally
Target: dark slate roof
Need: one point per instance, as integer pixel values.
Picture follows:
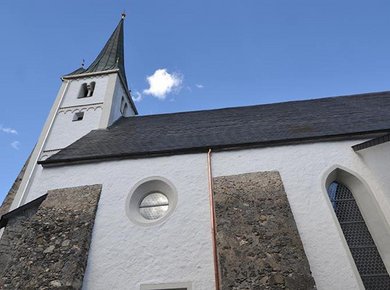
(336, 118)
(78, 71)
(111, 56)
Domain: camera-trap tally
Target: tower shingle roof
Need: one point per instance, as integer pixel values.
(111, 56)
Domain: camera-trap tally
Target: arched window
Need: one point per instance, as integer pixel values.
(360, 242)
(83, 91)
(124, 107)
(86, 90)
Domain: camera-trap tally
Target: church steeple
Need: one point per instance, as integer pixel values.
(110, 57)
(112, 54)
(89, 99)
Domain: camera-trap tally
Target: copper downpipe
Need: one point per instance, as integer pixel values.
(212, 220)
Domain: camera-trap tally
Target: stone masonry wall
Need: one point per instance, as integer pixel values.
(257, 239)
(47, 248)
(14, 230)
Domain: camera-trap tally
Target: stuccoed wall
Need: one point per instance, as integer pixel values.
(64, 131)
(47, 247)
(73, 91)
(124, 255)
(116, 102)
(377, 160)
(258, 243)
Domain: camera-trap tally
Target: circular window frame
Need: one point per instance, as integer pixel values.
(143, 188)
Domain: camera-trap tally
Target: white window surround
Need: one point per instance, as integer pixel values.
(370, 210)
(167, 286)
(143, 188)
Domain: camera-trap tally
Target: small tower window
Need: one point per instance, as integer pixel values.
(86, 90)
(78, 116)
(124, 107)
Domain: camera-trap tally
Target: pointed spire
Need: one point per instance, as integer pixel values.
(112, 54)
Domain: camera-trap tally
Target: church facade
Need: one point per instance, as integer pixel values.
(290, 195)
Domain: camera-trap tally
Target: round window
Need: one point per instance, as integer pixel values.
(151, 201)
(154, 206)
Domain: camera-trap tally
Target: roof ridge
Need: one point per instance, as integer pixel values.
(262, 105)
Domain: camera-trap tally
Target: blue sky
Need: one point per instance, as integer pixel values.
(217, 53)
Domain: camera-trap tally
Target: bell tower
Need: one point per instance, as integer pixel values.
(89, 98)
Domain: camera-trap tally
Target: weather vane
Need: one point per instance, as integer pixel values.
(123, 14)
(83, 62)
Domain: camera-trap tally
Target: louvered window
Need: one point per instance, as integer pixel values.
(363, 249)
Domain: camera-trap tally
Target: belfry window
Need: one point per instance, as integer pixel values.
(360, 242)
(86, 90)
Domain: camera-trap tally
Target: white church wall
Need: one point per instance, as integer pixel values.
(71, 97)
(60, 130)
(35, 155)
(302, 169)
(119, 94)
(377, 159)
(65, 131)
(179, 250)
(105, 103)
(124, 255)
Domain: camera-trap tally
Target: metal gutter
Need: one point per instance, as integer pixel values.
(212, 220)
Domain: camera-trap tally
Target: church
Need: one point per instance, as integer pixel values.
(291, 195)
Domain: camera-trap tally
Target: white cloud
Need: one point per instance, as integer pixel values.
(15, 145)
(199, 86)
(137, 97)
(8, 130)
(161, 83)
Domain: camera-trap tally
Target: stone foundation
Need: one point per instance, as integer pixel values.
(47, 247)
(258, 242)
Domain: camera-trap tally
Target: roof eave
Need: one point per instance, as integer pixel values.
(204, 149)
